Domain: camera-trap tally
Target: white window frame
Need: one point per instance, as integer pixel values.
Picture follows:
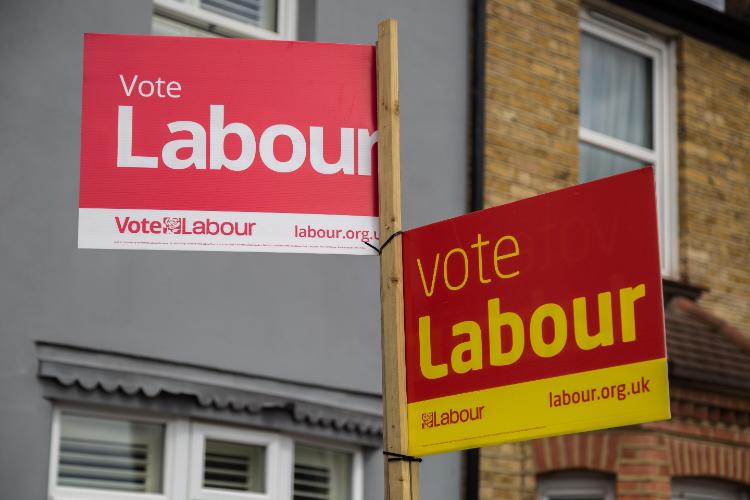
(173, 453)
(278, 458)
(663, 156)
(575, 484)
(195, 16)
(182, 469)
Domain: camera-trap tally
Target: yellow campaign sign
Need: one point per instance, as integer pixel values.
(536, 318)
(609, 397)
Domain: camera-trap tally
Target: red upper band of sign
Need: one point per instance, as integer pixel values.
(552, 285)
(228, 125)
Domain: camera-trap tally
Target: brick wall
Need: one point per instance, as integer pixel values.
(531, 138)
(642, 466)
(507, 472)
(531, 147)
(642, 459)
(714, 166)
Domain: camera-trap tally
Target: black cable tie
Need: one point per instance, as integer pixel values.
(380, 250)
(392, 457)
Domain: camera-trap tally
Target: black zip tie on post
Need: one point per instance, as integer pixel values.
(380, 250)
(392, 457)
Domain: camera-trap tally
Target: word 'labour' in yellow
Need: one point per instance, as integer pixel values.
(468, 355)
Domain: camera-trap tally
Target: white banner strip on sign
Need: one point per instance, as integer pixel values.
(227, 231)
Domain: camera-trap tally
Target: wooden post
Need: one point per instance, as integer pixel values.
(401, 476)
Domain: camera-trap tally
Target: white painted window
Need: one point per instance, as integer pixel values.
(627, 114)
(707, 489)
(575, 485)
(229, 463)
(323, 472)
(263, 19)
(107, 456)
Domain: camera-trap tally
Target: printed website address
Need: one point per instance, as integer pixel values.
(307, 232)
(612, 391)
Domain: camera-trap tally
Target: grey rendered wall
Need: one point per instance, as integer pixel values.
(45, 283)
(297, 317)
(434, 58)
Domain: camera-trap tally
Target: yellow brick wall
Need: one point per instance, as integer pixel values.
(714, 171)
(531, 147)
(507, 472)
(531, 92)
(531, 138)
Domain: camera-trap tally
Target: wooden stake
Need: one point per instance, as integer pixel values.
(401, 477)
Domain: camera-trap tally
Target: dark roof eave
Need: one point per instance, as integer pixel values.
(677, 378)
(697, 20)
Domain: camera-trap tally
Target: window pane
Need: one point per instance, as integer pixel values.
(575, 485)
(163, 26)
(616, 91)
(260, 13)
(706, 489)
(110, 454)
(321, 474)
(597, 162)
(234, 466)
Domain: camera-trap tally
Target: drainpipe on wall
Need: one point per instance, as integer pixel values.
(477, 107)
(477, 182)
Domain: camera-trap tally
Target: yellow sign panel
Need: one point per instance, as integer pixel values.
(609, 397)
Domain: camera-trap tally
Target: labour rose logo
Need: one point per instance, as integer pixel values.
(172, 225)
(428, 419)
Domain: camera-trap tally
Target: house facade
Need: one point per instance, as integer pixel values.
(128, 375)
(575, 91)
